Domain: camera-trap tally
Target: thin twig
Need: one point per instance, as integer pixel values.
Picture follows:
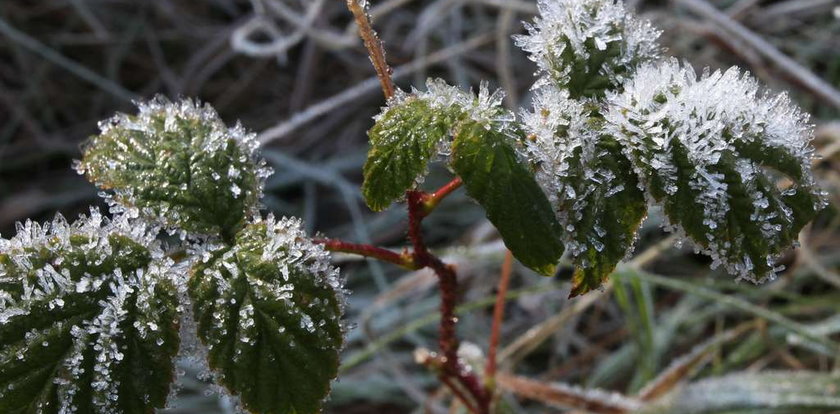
(566, 396)
(367, 86)
(448, 282)
(373, 45)
(400, 259)
(73, 67)
(498, 317)
(679, 369)
(803, 77)
(430, 201)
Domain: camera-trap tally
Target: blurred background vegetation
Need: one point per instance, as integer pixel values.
(294, 72)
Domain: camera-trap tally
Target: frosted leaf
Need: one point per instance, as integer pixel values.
(176, 163)
(588, 181)
(415, 127)
(90, 306)
(710, 149)
(587, 46)
(270, 299)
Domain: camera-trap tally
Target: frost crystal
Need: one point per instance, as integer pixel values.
(710, 149)
(454, 105)
(89, 301)
(559, 143)
(178, 164)
(270, 299)
(587, 180)
(587, 46)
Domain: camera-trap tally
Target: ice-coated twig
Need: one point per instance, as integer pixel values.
(366, 87)
(804, 77)
(72, 66)
(359, 8)
(568, 396)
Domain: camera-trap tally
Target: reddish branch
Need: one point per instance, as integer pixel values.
(374, 47)
(430, 201)
(451, 367)
(498, 315)
(403, 259)
(457, 377)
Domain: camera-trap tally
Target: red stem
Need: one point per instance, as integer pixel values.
(456, 376)
(404, 259)
(447, 279)
(430, 201)
(498, 315)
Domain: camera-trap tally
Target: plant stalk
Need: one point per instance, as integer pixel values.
(451, 367)
(374, 47)
(498, 316)
(403, 259)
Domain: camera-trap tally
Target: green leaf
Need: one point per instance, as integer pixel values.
(611, 208)
(713, 152)
(487, 162)
(588, 47)
(88, 319)
(268, 308)
(403, 140)
(589, 181)
(178, 164)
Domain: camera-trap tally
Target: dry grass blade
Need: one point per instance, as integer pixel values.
(682, 367)
(566, 396)
(801, 75)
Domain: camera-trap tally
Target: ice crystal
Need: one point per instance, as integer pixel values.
(177, 163)
(454, 104)
(559, 142)
(587, 180)
(270, 298)
(587, 46)
(717, 142)
(81, 296)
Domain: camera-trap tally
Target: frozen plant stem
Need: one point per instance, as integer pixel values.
(464, 384)
(403, 259)
(498, 316)
(450, 366)
(420, 204)
(373, 45)
(430, 201)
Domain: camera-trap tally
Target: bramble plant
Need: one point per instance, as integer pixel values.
(94, 313)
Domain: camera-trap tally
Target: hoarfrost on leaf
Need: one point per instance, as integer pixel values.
(415, 127)
(256, 304)
(709, 149)
(587, 46)
(80, 302)
(588, 181)
(178, 164)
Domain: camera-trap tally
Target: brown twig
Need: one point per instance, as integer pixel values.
(403, 259)
(373, 45)
(594, 401)
(498, 316)
(795, 71)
